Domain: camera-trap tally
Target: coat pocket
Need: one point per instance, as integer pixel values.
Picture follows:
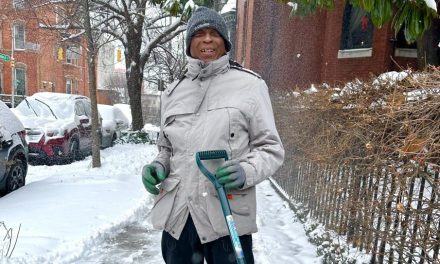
(231, 127)
(240, 206)
(164, 202)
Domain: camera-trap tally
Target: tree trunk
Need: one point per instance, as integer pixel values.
(134, 75)
(134, 81)
(427, 47)
(91, 55)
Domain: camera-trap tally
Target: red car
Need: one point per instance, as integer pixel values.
(58, 126)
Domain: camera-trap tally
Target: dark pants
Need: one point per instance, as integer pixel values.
(189, 250)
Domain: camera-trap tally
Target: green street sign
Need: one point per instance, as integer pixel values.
(4, 57)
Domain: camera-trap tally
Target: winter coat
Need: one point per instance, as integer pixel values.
(217, 107)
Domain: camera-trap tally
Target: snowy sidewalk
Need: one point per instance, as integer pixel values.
(76, 214)
(281, 238)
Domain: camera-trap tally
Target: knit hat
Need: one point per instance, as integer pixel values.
(204, 17)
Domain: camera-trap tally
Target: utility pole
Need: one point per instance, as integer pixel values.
(13, 68)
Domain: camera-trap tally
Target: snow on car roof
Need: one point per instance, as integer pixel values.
(57, 96)
(8, 120)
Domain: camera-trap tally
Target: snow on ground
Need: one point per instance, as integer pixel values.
(73, 213)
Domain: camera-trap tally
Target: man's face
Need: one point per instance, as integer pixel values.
(207, 45)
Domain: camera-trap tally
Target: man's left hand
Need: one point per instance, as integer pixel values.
(231, 175)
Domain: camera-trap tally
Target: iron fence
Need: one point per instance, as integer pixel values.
(390, 212)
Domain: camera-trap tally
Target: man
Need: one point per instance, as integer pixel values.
(217, 105)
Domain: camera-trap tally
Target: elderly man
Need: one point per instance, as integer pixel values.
(216, 105)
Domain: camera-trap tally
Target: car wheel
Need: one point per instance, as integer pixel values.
(74, 153)
(16, 176)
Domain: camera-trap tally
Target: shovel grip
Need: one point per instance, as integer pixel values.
(212, 154)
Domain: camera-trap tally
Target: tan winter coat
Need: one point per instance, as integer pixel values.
(212, 108)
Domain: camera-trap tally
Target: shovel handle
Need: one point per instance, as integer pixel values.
(233, 234)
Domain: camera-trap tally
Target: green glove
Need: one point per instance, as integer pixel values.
(152, 175)
(231, 175)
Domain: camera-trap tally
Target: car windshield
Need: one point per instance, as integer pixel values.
(50, 109)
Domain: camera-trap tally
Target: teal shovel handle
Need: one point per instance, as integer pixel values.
(233, 234)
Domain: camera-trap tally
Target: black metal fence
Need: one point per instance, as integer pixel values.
(390, 212)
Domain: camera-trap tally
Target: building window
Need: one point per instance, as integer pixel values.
(18, 36)
(60, 16)
(72, 55)
(357, 29)
(402, 48)
(1, 79)
(20, 81)
(69, 85)
(18, 4)
(401, 41)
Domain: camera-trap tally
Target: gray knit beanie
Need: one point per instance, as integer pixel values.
(204, 17)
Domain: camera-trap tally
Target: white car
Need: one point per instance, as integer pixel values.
(126, 110)
(113, 122)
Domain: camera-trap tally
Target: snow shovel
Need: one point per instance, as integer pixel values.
(221, 154)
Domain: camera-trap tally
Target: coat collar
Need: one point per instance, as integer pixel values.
(198, 68)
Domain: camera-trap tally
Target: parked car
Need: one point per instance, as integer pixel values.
(13, 151)
(58, 126)
(113, 122)
(126, 111)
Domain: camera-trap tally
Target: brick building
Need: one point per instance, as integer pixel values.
(330, 46)
(42, 61)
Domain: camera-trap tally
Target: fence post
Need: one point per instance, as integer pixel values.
(353, 212)
(416, 220)
(344, 210)
(373, 207)
(430, 218)
(406, 221)
(379, 215)
(333, 196)
(389, 202)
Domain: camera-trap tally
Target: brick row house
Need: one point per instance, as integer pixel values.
(42, 61)
(331, 47)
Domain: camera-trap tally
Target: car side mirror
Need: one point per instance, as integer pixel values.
(4, 143)
(119, 122)
(83, 119)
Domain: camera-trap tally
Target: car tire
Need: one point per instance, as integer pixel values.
(16, 176)
(74, 153)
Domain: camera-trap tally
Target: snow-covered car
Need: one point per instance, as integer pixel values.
(13, 151)
(113, 122)
(58, 126)
(126, 110)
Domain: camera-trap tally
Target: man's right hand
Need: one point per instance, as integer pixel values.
(153, 174)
